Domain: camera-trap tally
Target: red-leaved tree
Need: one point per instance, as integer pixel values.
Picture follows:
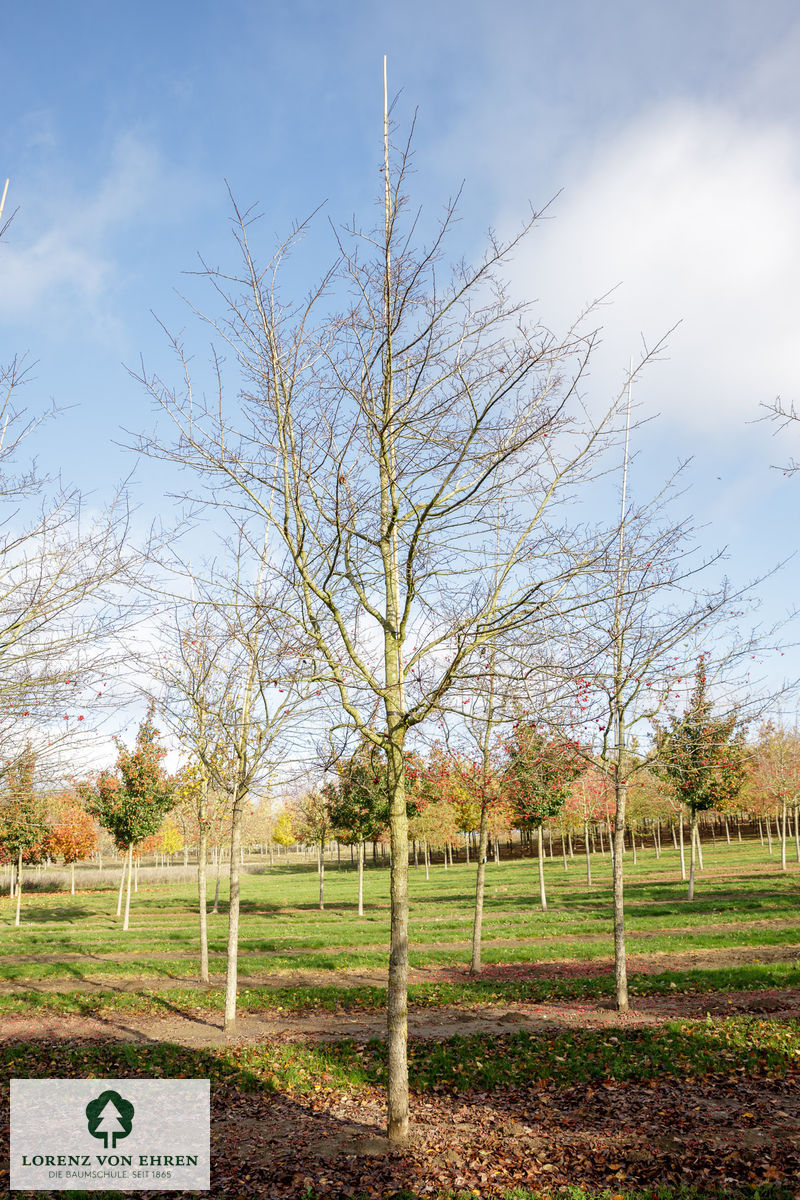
(538, 776)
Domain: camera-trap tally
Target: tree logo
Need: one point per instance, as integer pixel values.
(109, 1116)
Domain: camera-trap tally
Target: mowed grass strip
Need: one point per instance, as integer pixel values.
(345, 958)
(66, 941)
(288, 893)
(355, 999)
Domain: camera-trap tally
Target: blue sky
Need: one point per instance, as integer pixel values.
(668, 134)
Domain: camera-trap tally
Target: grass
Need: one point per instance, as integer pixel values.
(282, 927)
(688, 1049)
(354, 999)
(743, 901)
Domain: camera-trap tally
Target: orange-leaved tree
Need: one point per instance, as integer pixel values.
(73, 835)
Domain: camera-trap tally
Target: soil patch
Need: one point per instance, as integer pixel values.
(440, 1022)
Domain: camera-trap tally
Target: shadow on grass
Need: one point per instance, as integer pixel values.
(256, 1130)
(41, 914)
(286, 1119)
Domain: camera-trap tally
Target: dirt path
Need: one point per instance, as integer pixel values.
(377, 976)
(440, 1022)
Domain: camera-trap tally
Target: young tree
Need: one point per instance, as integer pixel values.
(232, 692)
(285, 833)
(24, 830)
(313, 823)
(204, 807)
(73, 834)
(591, 799)
(132, 802)
(379, 425)
(629, 649)
(775, 774)
(703, 756)
(538, 776)
(358, 804)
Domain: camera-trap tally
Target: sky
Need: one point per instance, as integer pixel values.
(663, 140)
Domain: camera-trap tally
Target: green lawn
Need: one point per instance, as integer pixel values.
(744, 903)
(743, 900)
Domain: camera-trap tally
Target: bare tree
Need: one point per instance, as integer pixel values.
(231, 691)
(60, 600)
(630, 652)
(380, 426)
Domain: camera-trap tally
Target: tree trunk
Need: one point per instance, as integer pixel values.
(122, 884)
(466, 848)
(683, 855)
(540, 850)
(397, 1005)
(202, 899)
(72, 879)
(232, 964)
(126, 920)
(633, 844)
(427, 859)
(761, 831)
(588, 853)
(361, 879)
(564, 848)
(699, 844)
(480, 881)
(727, 831)
(218, 861)
(783, 835)
(620, 963)
(796, 833)
(19, 888)
(769, 835)
(692, 853)
(321, 873)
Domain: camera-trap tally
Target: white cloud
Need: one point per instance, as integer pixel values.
(70, 264)
(694, 213)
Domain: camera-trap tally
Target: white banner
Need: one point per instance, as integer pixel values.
(114, 1134)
